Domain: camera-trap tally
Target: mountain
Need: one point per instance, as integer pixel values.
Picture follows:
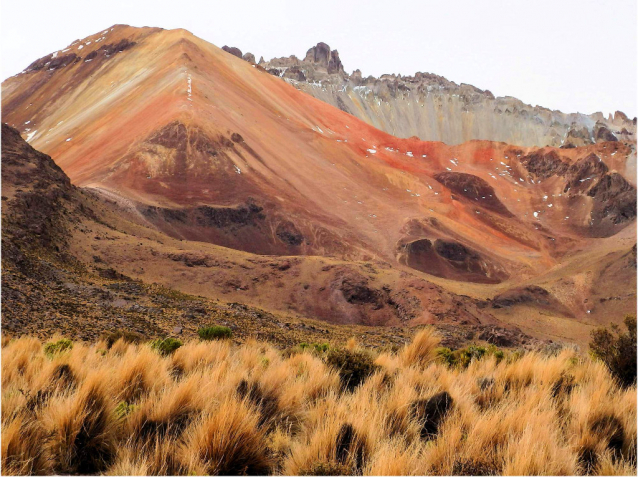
(219, 179)
(433, 108)
(63, 246)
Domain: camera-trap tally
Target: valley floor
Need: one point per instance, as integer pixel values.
(214, 407)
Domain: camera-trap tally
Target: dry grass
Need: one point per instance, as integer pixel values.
(223, 409)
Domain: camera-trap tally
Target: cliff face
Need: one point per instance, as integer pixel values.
(434, 109)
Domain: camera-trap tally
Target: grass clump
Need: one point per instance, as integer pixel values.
(127, 336)
(166, 346)
(57, 347)
(353, 366)
(215, 332)
(617, 350)
(227, 413)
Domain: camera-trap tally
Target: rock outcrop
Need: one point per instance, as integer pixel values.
(433, 108)
(232, 50)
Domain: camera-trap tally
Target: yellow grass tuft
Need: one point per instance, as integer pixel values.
(218, 408)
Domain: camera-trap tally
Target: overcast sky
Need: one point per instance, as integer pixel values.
(572, 55)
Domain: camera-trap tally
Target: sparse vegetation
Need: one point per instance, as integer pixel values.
(215, 332)
(213, 407)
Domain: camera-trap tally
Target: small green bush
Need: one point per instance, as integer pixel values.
(464, 356)
(123, 409)
(318, 348)
(165, 346)
(354, 367)
(215, 332)
(617, 350)
(57, 347)
(321, 347)
(445, 355)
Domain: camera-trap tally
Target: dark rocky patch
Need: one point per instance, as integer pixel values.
(172, 136)
(50, 63)
(473, 188)
(113, 48)
(530, 294)
(220, 217)
(293, 72)
(582, 175)
(233, 51)
(615, 200)
(207, 216)
(450, 259)
(544, 166)
(249, 57)
(289, 234)
(355, 290)
(453, 251)
(603, 134)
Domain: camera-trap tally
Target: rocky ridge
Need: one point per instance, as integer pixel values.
(433, 108)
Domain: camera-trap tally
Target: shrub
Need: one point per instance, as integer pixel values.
(57, 347)
(445, 355)
(317, 348)
(123, 409)
(165, 346)
(215, 332)
(128, 336)
(464, 356)
(617, 350)
(321, 347)
(353, 366)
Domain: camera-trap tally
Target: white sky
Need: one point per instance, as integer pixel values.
(572, 55)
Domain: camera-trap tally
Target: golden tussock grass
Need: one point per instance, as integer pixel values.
(223, 409)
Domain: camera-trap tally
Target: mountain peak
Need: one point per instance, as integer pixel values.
(322, 55)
